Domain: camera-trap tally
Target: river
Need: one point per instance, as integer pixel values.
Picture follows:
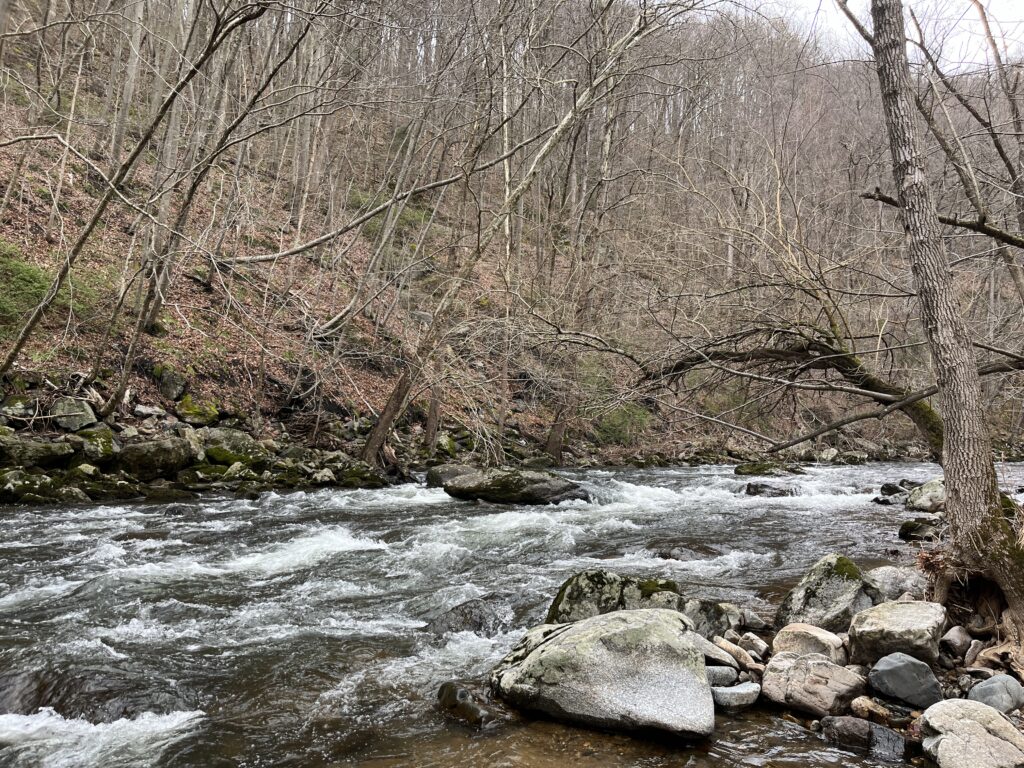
(288, 630)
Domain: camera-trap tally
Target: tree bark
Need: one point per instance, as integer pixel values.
(984, 538)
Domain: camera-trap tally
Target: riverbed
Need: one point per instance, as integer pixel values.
(288, 630)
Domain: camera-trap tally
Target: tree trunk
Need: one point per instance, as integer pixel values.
(983, 536)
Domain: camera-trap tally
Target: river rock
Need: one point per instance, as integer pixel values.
(1001, 692)
(958, 733)
(891, 581)
(97, 444)
(735, 697)
(956, 642)
(155, 458)
(711, 618)
(442, 473)
(929, 497)
(476, 615)
(829, 595)
(460, 702)
(16, 451)
(72, 414)
(228, 446)
(864, 736)
(891, 489)
(903, 677)
(920, 529)
(811, 684)
(754, 644)
(627, 670)
(721, 677)
(802, 639)
(510, 486)
(913, 628)
(595, 591)
(768, 490)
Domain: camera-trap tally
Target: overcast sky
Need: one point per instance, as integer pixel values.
(954, 21)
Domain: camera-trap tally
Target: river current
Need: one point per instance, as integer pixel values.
(288, 630)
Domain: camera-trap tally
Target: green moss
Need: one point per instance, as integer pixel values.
(845, 568)
(623, 425)
(196, 412)
(757, 468)
(650, 587)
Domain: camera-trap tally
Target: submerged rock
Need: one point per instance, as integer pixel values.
(476, 615)
(864, 736)
(968, 734)
(627, 670)
(913, 628)
(831, 593)
(510, 486)
(768, 490)
(595, 591)
(811, 683)
(903, 677)
(460, 702)
(443, 473)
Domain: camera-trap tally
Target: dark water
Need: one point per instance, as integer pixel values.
(288, 631)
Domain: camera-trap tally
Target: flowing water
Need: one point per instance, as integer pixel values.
(288, 631)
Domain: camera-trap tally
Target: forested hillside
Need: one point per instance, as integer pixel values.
(561, 227)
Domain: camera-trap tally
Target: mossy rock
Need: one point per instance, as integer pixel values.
(596, 591)
(16, 451)
(21, 486)
(164, 494)
(358, 474)
(767, 468)
(19, 407)
(110, 489)
(172, 383)
(155, 458)
(195, 412)
(232, 446)
(829, 595)
(96, 444)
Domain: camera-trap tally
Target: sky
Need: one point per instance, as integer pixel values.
(955, 22)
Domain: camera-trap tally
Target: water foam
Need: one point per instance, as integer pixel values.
(47, 740)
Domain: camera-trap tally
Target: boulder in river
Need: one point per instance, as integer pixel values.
(596, 591)
(930, 497)
(903, 677)
(477, 615)
(864, 736)
(511, 486)
(460, 702)
(627, 670)
(811, 683)
(912, 627)
(768, 490)
(829, 595)
(804, 638)
(920, 528)
(442, 473)
(1001, 692)
(958, 733)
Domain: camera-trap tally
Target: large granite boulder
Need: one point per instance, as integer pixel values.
(913, 628)
(1001, 692)
(72, 414)
(802, 639)
(229, 446)
(930, 497)
(903, 677)
(151, 459)
(811, 683)
(511, 486)
(958, 733)
(443, 473)
(627, 670)
(712, 618)
(893, 581)
(829, 595)
(595, 591)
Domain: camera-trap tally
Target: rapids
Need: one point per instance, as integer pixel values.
(288, 631)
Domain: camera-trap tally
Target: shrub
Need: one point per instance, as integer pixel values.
(623, 425)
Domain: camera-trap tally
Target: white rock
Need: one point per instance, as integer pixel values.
(736, 696)
(811, 684)
(802, 639)
(930, 497)
(968, 734)
(894, 627)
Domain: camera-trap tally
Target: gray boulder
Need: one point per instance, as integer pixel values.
(921, 529)
(736, 697)
(905, 678)
(721, 677)
(510, 486)
(811, 684)
(155, 458)
(460, 702)
(768, 490)
(891, 581)
(1001, 692)
(711, 618)
(627, 670)
(72, 414)
(802, 639)
(956, 642)
(443, 473)
(476, 615)
(228, 446)
(595, 591)
(829, 595)
(913, 628)
(930, 497)
(958, 733)
(16, 451)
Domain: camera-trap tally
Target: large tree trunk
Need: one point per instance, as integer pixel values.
(983, 536)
